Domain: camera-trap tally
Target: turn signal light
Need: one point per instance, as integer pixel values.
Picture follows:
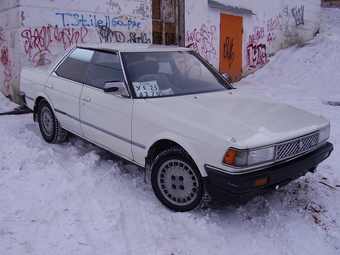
(230, 157)
(260, 182)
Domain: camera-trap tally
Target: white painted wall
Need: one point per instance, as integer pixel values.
(9, 58)
(273, 24)
(34, 33)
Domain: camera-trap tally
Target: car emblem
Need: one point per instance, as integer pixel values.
(300, 145)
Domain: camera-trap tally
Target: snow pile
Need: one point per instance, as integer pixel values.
(6, 105)
(75, 198)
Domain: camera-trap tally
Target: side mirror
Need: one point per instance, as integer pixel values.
(117, 87)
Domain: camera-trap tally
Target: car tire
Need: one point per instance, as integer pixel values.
(176, 180)
(49, 126)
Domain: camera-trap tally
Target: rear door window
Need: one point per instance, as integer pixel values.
(75, 66)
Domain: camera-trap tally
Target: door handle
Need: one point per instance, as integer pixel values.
(86, 98)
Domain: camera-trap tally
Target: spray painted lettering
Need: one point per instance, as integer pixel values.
(140, 38)
(274, 24)
(202, 41)
(256, 47)
(38, 41)
(258, 35)
(256, 55)
(271, 37)
(76, 20)
(107, 35)
(297, 13)
(2, 37)
(228, 52)
(6, 63)
(4, 59)
(69, 36)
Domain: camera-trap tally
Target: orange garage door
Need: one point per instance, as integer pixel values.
(231, 31)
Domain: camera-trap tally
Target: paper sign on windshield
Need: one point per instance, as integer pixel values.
(146, 89)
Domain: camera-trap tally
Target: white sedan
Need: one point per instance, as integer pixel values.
(169, 111)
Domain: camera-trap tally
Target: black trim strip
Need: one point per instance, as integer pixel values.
(30, 98)
(103, 130)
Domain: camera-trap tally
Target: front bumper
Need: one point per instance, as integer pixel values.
(240, 188)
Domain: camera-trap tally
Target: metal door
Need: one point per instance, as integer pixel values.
(231, 30)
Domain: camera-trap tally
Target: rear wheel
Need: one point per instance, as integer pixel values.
(49, 126)
(176, 181)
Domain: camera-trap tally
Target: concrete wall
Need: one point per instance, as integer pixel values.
(270, 25)
(34, 33)
(9, 58)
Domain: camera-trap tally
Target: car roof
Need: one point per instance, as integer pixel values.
(132, 47)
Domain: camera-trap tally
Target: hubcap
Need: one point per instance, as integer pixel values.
(47, 121)
(178, 182)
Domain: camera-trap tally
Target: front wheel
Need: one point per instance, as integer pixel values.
(49, 126)
(176, 181)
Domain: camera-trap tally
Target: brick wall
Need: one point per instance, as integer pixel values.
(330, 3)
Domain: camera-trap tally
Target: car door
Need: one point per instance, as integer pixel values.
(64, 88)
(106, 118)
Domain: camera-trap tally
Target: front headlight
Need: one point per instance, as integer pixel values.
(246, 158)
(324, 135)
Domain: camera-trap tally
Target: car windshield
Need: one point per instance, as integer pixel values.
(156, 74)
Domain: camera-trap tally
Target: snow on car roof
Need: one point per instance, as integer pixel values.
(133, 47)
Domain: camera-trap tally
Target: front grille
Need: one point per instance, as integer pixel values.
(295, 147)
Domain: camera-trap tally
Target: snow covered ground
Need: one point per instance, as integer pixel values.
(6, 105)
(75, 198)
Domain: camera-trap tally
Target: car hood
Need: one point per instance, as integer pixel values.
(242, 116)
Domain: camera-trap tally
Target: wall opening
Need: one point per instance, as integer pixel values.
(168, 22)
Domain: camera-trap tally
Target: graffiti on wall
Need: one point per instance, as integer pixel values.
(73, 28)
(201, 40)
(257, 35)
(2, 37)
(297, 13)
(294, 19)
(256, 50)
(109, 28)
(91, 20)
(273, 26)
(37, 41)
(6, 63)
(107, 35)
(228, 52)
(138, 38)
(257, 55)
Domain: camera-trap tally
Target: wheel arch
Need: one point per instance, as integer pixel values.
(165, 143)
(37, 101)
(159, 146)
